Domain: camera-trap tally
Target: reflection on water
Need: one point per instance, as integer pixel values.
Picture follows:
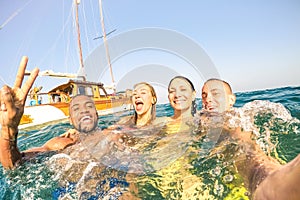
(159, 163)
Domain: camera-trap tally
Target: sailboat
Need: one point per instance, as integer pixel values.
(56, 109)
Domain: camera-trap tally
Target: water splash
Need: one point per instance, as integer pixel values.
(264, 119)
(19, 182)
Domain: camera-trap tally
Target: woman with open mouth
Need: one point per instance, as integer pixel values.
(144, 102)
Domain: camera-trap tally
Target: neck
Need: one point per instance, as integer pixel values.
(90, 132)
(182, 114)
(144, 119)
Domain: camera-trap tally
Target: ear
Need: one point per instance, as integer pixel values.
(232, 99)
(154, 100)
(194, 95)
(70, 120)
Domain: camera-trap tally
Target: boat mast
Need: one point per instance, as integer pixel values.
(78, 39)
(105, 45)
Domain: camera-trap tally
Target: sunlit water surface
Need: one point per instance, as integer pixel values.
(172, 166)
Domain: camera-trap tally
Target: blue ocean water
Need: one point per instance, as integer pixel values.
(34, 179)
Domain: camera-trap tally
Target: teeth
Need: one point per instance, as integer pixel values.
(85, 118)
(179, 101)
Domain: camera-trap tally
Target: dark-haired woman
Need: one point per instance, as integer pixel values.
(182, 95)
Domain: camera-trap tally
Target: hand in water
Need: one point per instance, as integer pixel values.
(72, 134)
(12, 100)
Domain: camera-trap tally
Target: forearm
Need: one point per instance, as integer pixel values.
(254, 168)
(9, 152)
(282, 183)
(251, 162)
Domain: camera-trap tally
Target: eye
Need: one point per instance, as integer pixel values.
(171, 91)
(216, 93)
(204, 95)
(74, 109)
(89, 105)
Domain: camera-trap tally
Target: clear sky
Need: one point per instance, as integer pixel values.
(253, 44)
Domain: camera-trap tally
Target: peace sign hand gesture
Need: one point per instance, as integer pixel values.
(12, 101)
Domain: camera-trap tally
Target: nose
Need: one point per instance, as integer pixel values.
(177, 93)
(84, 109)
(135, 96)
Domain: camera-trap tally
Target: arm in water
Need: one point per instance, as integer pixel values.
(264, 176)
(83, 117)
(57, 143)
(12, 107)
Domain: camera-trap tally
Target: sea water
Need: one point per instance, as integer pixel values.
(272, 115)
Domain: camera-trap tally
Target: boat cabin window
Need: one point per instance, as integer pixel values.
(85, 90)
(89, 91)
(81, 90)
(102, 93)
(69, 90)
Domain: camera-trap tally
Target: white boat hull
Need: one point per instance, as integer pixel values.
(45, 114)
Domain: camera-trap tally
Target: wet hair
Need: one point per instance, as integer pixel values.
(194, 105)
(220, 80)
(153, 109)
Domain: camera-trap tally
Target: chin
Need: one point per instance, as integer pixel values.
(87, 129)
(140, 112)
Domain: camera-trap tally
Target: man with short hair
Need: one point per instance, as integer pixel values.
(265, 177)
(217, 96)
(83, 116)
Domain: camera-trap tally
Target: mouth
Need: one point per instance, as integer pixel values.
(179, 101)
(86, 119)
(138, 105)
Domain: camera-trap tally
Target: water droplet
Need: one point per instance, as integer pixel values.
(228, 178)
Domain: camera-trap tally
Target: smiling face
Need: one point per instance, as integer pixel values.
(83, 114)
(217, 96)
(143, 98)
(181, 95)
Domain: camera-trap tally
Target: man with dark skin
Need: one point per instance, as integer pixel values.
(83, 116)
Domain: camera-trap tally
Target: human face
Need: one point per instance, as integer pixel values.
(217, 97)
(83, 114)
(181, 94)
(142, 99)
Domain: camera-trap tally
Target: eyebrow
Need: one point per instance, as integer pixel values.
(77, 104)
(216, 89)
(181, 85)
(212, 90)
(143, 89)
(74, 105)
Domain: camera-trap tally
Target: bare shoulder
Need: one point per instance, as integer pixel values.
(124, 120)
